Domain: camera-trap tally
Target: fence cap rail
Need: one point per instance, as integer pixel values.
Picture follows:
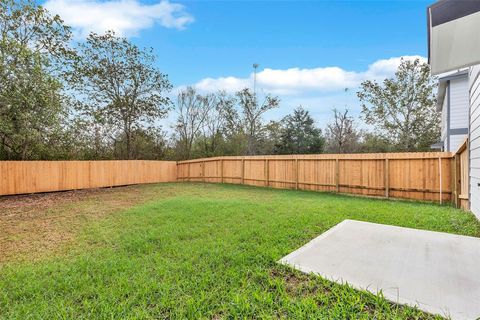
(84, 161)
(463, 146)
(344, 156)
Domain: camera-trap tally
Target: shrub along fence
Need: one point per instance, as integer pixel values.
(18, 177)
(420, 176)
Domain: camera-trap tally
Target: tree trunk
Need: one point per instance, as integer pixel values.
(128, 144)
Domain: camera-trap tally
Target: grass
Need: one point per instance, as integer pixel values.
(204, 251)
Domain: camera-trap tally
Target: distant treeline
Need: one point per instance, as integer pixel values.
(102, 98)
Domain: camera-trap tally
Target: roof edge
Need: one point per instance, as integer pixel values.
(457, 75)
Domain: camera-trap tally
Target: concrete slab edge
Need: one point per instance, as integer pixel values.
(338, 279)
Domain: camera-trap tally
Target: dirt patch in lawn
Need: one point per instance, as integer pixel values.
(299, 284)
(32, 226)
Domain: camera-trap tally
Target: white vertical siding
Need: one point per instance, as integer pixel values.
(474, 80)
(444, 119)
(459, 103)
(456, 140)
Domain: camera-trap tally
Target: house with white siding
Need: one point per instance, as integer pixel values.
(474, 139)
(453, 103)
(453, 44)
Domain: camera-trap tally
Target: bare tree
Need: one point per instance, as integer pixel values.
(193, 109)
(342, 136)
(250, 118)
(215, 124)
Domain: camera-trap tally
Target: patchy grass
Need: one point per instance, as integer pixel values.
(198, 251)
(32, 226)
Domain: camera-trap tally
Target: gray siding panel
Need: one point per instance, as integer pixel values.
(474, 123)
(474, 88)
(475, 154)
(474, 114)
(459, 103)
(475, 95)
(455, 112)
(475, 144)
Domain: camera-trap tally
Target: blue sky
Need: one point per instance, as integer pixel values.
(308, 51)
(227, 37)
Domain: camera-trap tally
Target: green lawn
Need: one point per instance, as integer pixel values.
(209, 251)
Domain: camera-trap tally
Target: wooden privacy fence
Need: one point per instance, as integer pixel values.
(431, 176)
(421, 176)
(18, 177)
(460, 177)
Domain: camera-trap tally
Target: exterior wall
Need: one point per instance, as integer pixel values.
(474, 79)
(456, 140)
(455, 110)
(444, 120)
(459, 103)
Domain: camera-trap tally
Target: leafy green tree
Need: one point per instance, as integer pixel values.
(33, 112)
(371, 142)
(402, 108)
(299, 135)
(25, 24)
(272, 136)
(93, 141)
(148, 144)
(31, 108)
(119, 85)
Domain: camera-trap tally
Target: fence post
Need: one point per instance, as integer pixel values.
(361, 176)
(243, 170)
(221, 170)
(454, 190)
(458, 180)
(266, 173)
(203, 171)
(440, 172)
(337, 175)
(188, 171)
(296, 173)
(176, 171)
(387, 178)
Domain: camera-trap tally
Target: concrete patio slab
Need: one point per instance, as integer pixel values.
(437, 272)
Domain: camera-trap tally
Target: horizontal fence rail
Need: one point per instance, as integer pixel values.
(420, 176)
(20, 177)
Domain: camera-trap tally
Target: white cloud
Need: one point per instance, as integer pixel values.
(385, 68)
(125, 17)
(297, 82)
(319, 90)
(230, 84)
